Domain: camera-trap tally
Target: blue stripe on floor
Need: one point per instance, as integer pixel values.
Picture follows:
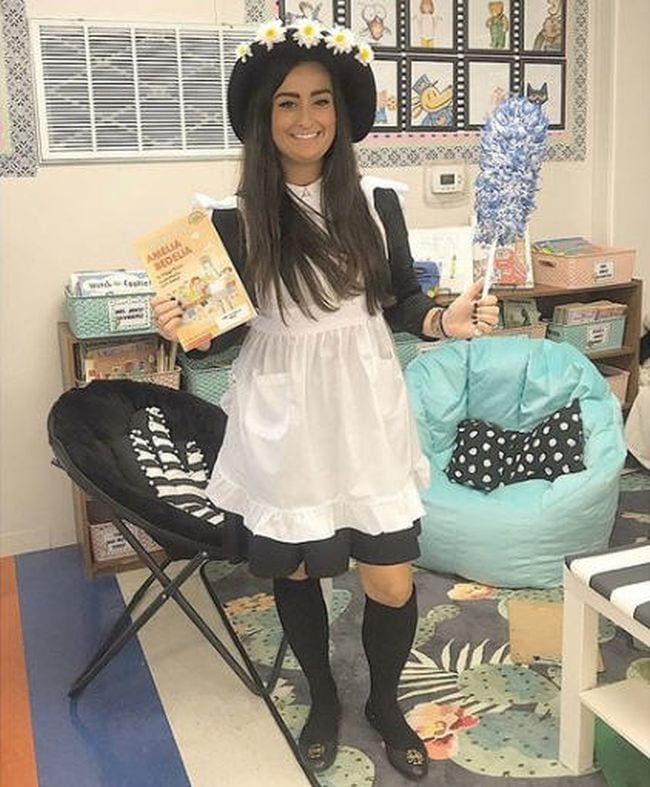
(116, 734)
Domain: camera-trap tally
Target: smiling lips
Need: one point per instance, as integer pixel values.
(303, 136)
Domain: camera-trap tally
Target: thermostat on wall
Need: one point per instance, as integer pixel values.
(446, 178)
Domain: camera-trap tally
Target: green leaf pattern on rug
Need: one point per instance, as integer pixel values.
(640, 668)
(514, 743)
(427, 623)
(635, 482)
(517, 705)
(257, 624)
(352, 768)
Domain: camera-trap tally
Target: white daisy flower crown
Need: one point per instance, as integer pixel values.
(307, 33)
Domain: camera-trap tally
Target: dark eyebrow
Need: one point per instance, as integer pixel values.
(297, 95)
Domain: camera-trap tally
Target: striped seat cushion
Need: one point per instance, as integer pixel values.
(621, 575)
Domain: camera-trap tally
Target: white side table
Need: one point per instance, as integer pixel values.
(615, 584)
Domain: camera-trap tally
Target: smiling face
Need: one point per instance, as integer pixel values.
(303, 121)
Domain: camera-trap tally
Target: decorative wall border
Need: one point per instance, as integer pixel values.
(19, 151)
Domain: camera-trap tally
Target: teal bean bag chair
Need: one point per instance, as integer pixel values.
(516, 535)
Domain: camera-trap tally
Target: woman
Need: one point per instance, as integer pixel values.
(321, 456)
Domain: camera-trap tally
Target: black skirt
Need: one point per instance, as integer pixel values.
(329, 557)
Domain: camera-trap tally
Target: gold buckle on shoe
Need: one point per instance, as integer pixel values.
(414, 757)
(315, 751)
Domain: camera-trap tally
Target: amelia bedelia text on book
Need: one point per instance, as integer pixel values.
(187, 260)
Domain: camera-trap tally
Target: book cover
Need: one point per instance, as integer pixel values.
(111, 361)
(187, 260)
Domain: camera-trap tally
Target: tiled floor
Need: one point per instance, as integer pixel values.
(165, 713)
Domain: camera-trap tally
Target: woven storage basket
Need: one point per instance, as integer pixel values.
(591, 336)
(209, 377)
(602, 266)
(105, 317)
(108, 543)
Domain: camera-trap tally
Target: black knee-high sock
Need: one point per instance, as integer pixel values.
(303, 615)
(387, 635)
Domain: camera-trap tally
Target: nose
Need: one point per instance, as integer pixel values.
(304, 115)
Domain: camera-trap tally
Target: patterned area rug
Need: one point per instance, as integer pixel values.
(486, 721)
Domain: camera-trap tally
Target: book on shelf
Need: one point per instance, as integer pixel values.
(568, 247)
(93, 284)
(112, 361)
(580, 313)
(187, 260)
(517, 312)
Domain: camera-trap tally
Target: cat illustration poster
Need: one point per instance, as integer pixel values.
(375, 22)
(488, 84)
(489, 25)
(431, 24)
(544, 26)
(543, 82)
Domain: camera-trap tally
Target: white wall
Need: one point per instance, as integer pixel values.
(74, 217)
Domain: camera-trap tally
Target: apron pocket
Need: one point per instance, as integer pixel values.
(267, 408)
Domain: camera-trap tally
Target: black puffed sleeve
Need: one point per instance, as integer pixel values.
(411, 306)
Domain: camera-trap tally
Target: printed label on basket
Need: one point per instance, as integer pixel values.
(129, 314)
(604, 270)
(597, 335)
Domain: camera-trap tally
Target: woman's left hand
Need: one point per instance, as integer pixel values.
(469, 315)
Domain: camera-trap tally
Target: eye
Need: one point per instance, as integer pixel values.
(286, 103)
(323, 102)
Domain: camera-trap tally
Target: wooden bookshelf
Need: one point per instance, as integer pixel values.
(68, 348)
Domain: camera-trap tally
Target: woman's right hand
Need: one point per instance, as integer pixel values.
(167, 316)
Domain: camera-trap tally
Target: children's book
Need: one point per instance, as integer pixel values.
(111, 361)
(187, 260)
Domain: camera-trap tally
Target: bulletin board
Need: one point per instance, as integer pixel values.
(442, 66)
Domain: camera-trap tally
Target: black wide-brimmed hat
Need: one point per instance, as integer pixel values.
(305, 39)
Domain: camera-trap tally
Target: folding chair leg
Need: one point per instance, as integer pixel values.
(128, 611)
(120, 641)
(277, 664)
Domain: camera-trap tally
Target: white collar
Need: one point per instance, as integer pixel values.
(311, 193)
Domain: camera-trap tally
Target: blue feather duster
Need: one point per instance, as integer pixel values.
(511, 152)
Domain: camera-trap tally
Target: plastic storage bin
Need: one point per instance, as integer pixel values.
(602, 266)
(109, 316)
(591, 336)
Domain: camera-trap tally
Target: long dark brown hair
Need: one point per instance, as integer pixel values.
(283, 243)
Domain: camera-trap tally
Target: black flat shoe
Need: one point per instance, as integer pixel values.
(413, 762)
(319, 756)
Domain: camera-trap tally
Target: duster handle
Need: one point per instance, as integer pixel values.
(489, 268)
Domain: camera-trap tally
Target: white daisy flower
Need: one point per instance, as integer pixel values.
(341, 40)
(243, 52)
(365, 55)
(308, 33)
(271, 33)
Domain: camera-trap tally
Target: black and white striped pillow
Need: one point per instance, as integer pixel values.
(176, 470)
